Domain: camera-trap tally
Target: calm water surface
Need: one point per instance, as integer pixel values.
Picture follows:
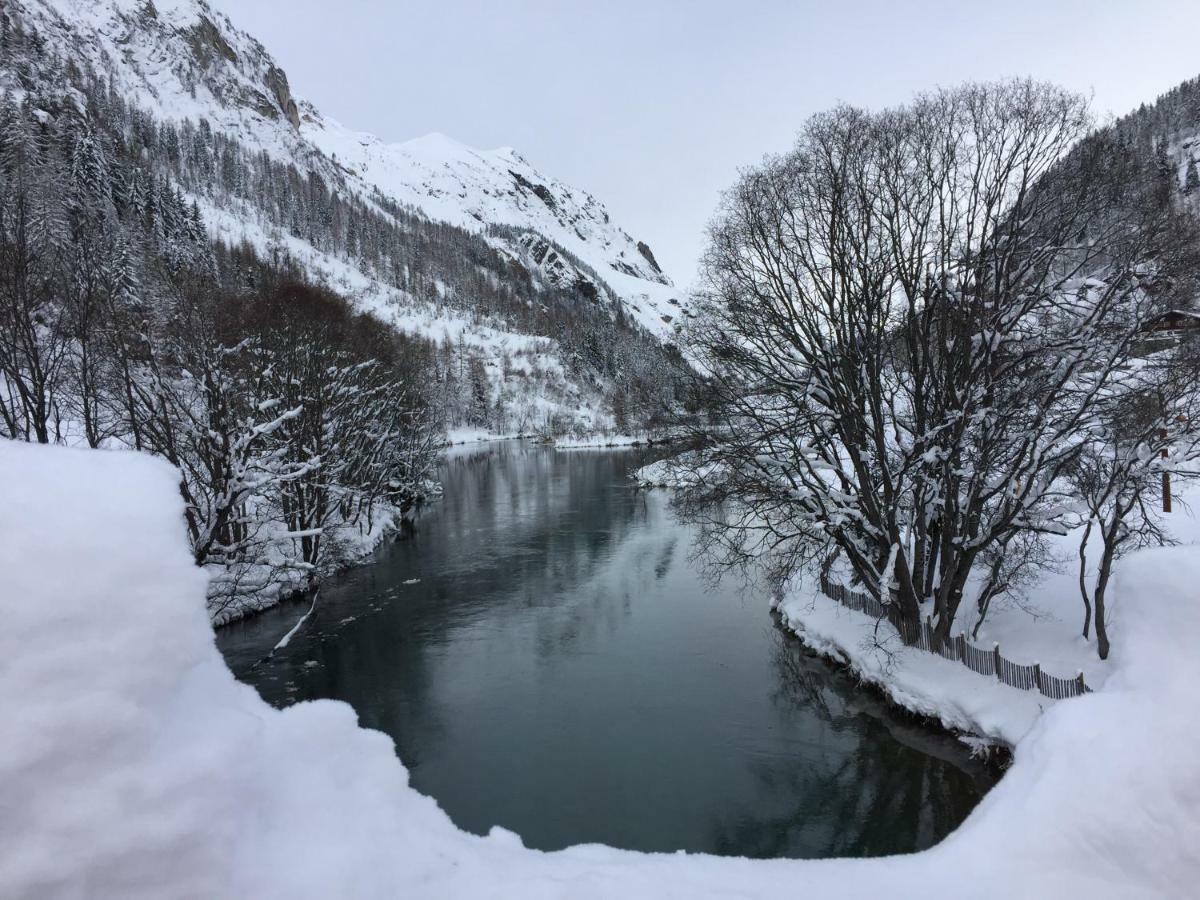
(547, 658)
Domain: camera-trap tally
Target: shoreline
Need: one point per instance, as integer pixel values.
(994, 752)
(984, 713)
(996, 757)
(365, 551)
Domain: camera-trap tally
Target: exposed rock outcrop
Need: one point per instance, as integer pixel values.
(648, 254)
(208, 43)
(278, 83)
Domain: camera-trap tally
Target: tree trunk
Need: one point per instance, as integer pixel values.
(1087, 603)
(1101, 586)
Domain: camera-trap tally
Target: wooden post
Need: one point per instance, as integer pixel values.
(996, 660)
(1037, 676)
(1166, 476)
(1079, 683)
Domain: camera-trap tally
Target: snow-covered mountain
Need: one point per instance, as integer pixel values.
(471, 188)
(184, 60)
(180, 61)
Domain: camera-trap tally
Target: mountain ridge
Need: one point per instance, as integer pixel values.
(186, 60)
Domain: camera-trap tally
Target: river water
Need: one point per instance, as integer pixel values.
(547, 657)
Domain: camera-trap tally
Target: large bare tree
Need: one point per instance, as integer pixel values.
(909, 320)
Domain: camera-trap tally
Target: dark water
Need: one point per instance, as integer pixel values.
(547, 658)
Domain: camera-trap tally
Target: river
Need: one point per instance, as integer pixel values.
(547, 656)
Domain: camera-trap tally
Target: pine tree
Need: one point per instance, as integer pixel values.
(91, 181)
(1162, 162)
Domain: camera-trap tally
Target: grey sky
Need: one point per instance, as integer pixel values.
(654, 105)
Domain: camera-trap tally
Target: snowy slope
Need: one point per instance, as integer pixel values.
(471, 188)
(180, 59)
(132, 764)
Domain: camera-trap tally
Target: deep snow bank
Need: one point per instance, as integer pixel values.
(132, 764)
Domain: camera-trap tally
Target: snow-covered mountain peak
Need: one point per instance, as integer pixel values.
(471, 188)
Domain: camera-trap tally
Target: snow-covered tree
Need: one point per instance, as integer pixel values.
(1146, 430)
(34, 339)
(909, 318)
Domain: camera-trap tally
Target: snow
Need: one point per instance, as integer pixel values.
(1040, 624)
(1043, 626)
(452, 182)
(668, 473)
(148, 58)
(466, 434)
(602, 440)
(132, 764)
(660, 474)
(530, 368)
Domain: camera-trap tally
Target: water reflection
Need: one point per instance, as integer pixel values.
(548, 659)
(877, 798)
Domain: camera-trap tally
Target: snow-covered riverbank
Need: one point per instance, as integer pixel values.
(347, 545)
(602, 440)
(1043, 625)
(133, 764)
(593, 440)
(921, 682)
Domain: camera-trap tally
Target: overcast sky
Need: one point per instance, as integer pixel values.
(653, 105)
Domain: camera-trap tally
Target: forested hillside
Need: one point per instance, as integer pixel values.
(204, 112)
(296, 341)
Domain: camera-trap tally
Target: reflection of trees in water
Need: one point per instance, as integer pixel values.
(517, 529)
(663, 566)
(885, 796)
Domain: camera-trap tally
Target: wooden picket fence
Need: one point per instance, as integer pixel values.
(985, 662)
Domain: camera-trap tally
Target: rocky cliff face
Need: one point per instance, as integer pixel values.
(277, 81)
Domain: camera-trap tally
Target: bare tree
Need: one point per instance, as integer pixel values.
(362, 421)
(1146, 430)
(908, 319)
(34, 335)
(204, 405)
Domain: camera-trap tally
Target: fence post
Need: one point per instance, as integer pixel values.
(1079, 682)
(1037, 677)
(1166, 476)
(962, 648)
(996, 660)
